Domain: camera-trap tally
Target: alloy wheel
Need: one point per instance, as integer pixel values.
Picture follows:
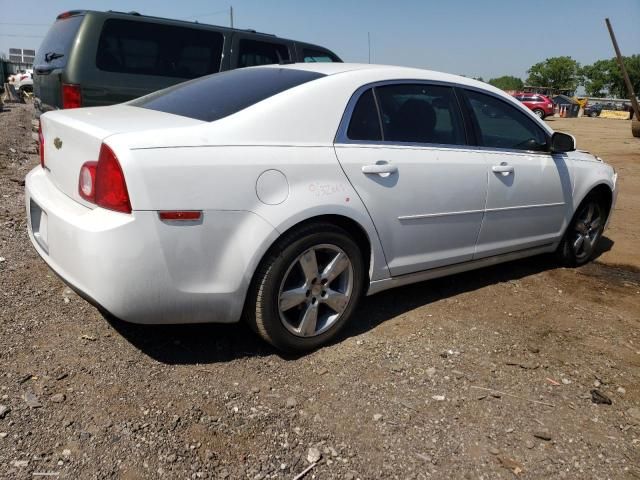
(315, 290)
(587, 230)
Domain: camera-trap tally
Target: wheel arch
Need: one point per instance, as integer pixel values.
(602, 189)
(357, 231)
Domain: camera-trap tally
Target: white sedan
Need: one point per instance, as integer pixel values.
(282, 194)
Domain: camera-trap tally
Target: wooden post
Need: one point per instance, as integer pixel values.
(632, 95)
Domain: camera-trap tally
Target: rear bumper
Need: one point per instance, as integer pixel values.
(141, 269)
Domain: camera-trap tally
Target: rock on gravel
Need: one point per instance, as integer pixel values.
(58, 398)
(313, 455)
(32, 400)
(543, 434)
(4, 410)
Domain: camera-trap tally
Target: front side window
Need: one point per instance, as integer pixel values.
(502, 125)
(145, 48)
(419, 113)
(254, 52)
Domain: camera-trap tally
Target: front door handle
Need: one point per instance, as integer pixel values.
(380, 168)
(503, 168)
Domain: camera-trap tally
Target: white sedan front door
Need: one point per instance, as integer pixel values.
(529, 195)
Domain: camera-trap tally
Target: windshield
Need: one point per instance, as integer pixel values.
(216, 96)
(55, 48)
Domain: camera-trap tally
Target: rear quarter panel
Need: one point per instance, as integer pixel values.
(227, 179)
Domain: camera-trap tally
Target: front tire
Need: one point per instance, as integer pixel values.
(306, 288)
(585, 230)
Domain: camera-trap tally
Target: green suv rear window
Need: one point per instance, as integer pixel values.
(54, 50)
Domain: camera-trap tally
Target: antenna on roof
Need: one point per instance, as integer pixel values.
(369, 43)
(231, 15)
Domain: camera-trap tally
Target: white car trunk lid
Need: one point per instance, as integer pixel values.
(73, 137)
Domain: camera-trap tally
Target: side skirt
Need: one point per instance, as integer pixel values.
(387, 283)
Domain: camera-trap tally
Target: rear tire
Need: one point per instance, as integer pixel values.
(306, 288)
(539, 113)
(581, 239)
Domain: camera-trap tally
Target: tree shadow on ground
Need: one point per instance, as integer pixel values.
(212, 343)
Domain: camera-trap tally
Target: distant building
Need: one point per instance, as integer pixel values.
(22, 56)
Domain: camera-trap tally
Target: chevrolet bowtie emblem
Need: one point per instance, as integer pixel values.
(58, 143)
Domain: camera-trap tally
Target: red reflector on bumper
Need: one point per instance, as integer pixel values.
(180, 215)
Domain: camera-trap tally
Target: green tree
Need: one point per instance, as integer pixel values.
(605, 77)
(617, 86)
(555, 72)
(507, 82)
(597, 77)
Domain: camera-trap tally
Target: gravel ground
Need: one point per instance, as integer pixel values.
(483, 375)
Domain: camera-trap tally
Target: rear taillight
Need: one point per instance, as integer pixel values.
(22, 77)
(103, 182)
(71, 96)
(41, 142)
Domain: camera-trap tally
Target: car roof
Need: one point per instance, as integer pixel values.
(384, 71)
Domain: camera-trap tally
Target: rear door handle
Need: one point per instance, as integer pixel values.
(504, 169)
(379, 169)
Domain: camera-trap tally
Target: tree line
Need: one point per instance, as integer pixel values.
(599, 79)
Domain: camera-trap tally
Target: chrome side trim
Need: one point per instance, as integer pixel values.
(380, 285)
(433, 215)
(519, 207)
(468, 212)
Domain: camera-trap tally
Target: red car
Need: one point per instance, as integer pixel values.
(541, 105)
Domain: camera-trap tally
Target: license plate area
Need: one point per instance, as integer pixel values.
(39, 225)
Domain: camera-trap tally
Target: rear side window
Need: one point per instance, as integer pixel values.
(311, 55)
(55, 48)
(144, 48)
(254, 52)
(216, 96)
(420, 114)
(502, 125)
(365, 123)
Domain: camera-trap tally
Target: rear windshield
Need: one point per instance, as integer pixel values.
(144, 48)
(223, 94)
(54, 49)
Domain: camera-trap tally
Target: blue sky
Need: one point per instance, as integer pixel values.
(476, 38)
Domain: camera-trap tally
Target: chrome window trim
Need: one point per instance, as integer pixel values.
(341, 138)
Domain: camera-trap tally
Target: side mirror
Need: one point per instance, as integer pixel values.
(562, 142)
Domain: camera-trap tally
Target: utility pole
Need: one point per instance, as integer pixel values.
(369, 44)
(231, 15)
(625, 75)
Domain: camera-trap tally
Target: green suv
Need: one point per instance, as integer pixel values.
(91, 58)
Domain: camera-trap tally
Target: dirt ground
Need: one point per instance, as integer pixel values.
(483, 375)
